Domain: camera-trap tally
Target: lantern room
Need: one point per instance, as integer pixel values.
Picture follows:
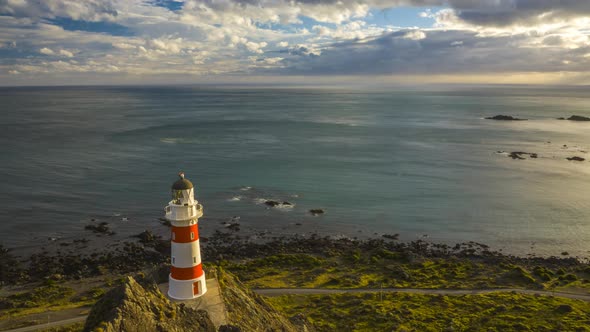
(183, 191)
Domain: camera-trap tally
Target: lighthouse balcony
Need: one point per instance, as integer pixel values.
(176, 212)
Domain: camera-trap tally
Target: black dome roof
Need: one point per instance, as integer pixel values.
(182, 183)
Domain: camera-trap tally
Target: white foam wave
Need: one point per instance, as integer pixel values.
(169, 140)
(260, 200)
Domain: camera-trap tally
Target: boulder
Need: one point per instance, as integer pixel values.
(147, 237)
(575, 158)
(504, 118)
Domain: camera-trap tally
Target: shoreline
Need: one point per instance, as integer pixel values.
(67, 280)
(91, 241)
(82, 258)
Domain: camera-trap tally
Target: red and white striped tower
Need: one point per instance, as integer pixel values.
(187, 279)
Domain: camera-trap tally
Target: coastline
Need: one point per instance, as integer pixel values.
(74, 279)
(133, 253)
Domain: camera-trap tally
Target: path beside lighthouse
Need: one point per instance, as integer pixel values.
(309, 291)
(211, 302)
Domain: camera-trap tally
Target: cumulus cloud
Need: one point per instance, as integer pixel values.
(414, 52)
(290, 37)
(66, 53)
(46, 51)
(89, 10)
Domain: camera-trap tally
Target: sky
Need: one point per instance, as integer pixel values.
(76, 42)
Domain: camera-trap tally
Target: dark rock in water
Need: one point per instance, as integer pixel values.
(272, 203)
(575, 159)
(565, 253)
(391, 237)
(504, 118)
(147, 237)
(519, 155)
(316, 212)
(561, 118)
(102, 228)
(578, 118)
(134, 308)
(234, 226)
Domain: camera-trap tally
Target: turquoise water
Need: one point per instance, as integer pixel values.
(410, 162)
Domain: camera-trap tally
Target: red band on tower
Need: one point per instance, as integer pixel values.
(183, 234)
(186, 273)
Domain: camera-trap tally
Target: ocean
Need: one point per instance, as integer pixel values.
(422, 163)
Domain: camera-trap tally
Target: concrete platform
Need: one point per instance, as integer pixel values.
(210, 302)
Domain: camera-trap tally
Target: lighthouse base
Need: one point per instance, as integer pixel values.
(187, 289)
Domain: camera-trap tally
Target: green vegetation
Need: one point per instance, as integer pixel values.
(416, 312)
(47, 297)
(383, 268)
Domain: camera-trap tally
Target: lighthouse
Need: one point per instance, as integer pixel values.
(187, 279)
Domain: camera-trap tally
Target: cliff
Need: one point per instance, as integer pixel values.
(248, 311)
(140, 307)
(132, 307)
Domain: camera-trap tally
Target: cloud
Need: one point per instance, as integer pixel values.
(88, 10)
(46, 51)
(436, 52)
(66, 53)
(206, 38)
(524, 12)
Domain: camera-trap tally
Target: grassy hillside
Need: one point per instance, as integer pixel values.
(414, 312)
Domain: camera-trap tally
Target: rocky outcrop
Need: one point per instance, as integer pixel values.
(132, 307)
(504, 118)
(519, 155)
(576, 118)
(272, 203)
(247, 311)
(101, 228)
(575, 158)
(316, 212)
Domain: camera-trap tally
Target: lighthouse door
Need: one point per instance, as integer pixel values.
(195, 288)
